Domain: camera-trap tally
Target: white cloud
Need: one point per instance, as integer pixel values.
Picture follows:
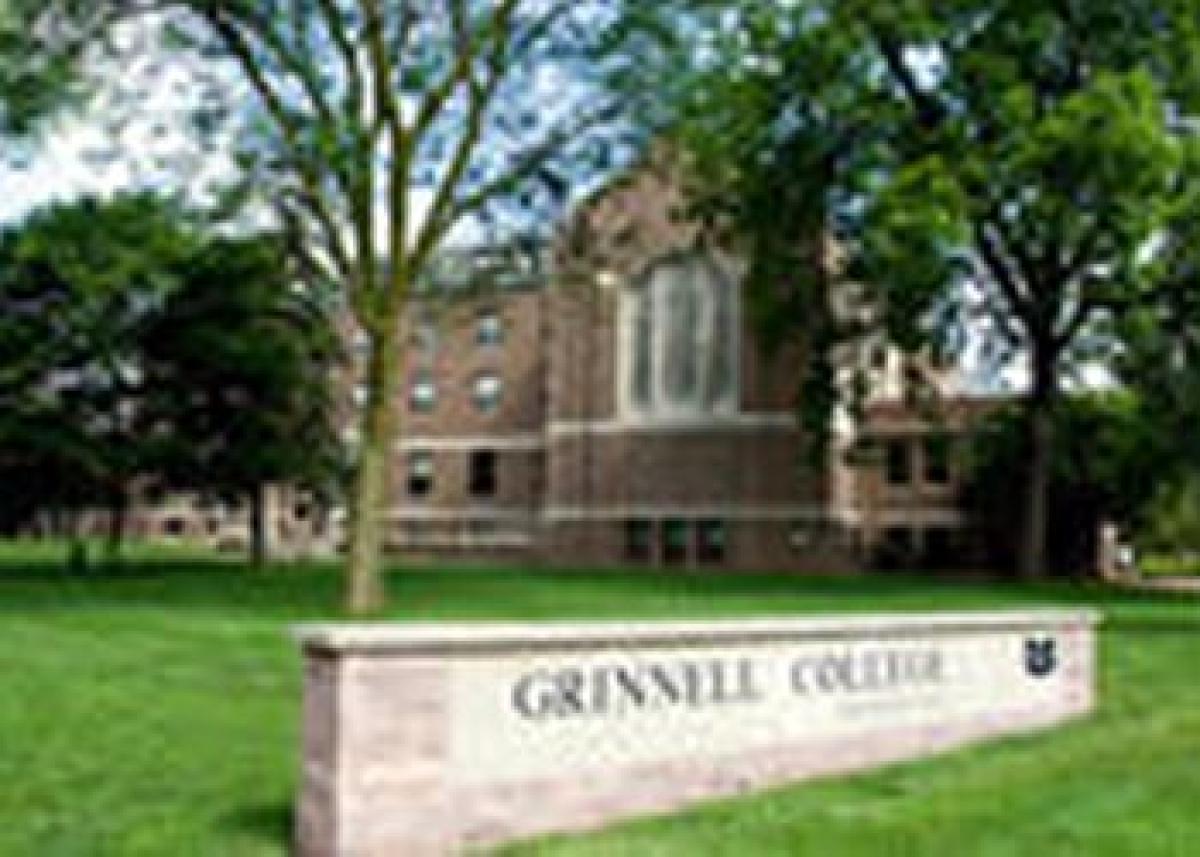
(134, 132)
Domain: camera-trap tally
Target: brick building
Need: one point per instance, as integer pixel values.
(631, 417)
(619, 410)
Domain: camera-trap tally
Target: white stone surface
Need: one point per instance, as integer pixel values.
(450, 637)
(427, 739)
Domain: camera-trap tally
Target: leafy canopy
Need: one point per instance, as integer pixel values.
(135, 346)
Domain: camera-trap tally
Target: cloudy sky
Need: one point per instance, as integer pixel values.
(132, 133)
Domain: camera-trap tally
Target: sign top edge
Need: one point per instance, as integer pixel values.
(450, 637)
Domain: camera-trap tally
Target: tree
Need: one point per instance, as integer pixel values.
(1161, 350)
(135, 346)
(1171, 525)
(381, 127)
(237, 368)
(1004, 171)
(1107, 444)
(77, 282)
(30, 86)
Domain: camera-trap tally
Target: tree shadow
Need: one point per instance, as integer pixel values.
(270, 823)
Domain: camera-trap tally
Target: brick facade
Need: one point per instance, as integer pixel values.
(573, 474)
(579, 478)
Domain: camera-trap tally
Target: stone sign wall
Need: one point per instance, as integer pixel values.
(429, 739)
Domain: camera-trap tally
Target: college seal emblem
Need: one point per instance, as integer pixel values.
(1041, 656)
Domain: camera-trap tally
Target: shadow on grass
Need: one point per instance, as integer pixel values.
(269, 823)
(44, 584)
(49, 570)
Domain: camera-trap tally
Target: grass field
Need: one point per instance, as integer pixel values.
(1172, 566)
(154, 712)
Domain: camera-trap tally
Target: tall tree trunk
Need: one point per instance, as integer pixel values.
(1032, 561)
(77, 551)
(118, 512)
(258, 526)
(372, 479)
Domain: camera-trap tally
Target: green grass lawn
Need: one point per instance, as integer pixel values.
(154, 711)
(1170, 566)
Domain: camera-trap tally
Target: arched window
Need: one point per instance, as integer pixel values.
(642, 362)
(681, 351)
(683, 293)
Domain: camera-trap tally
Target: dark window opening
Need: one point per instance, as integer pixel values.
(898, 463)
(174, 527)
(483, 473)
(898, 548)
(639, 544)
(937, 460)
(420, 474)
(674, 542)
(711, 542)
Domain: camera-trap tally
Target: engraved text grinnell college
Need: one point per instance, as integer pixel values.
(614, 689)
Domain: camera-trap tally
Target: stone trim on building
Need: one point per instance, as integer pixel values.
(717, 423)
(527, 442)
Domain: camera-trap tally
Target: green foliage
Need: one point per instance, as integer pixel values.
(1172, 521)
(33, 82)
(77, 282)
(1012, 171)
(1109, 448)
(1028, 150)
(134, 346)
(238, 367)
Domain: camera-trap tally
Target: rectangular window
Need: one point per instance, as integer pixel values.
(898, 463)
(489, 328)
(483, 473)
(422, 395)
(639, 544)
(486, 392)
(898, 548)
(711, 542)
(937, 460)
(420, 473)
(674, 542)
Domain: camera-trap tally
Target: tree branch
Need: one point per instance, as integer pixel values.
(530, 161)
(335, 26)
(999, 269)
(929, 112)
(313, 197)
(460, 72)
